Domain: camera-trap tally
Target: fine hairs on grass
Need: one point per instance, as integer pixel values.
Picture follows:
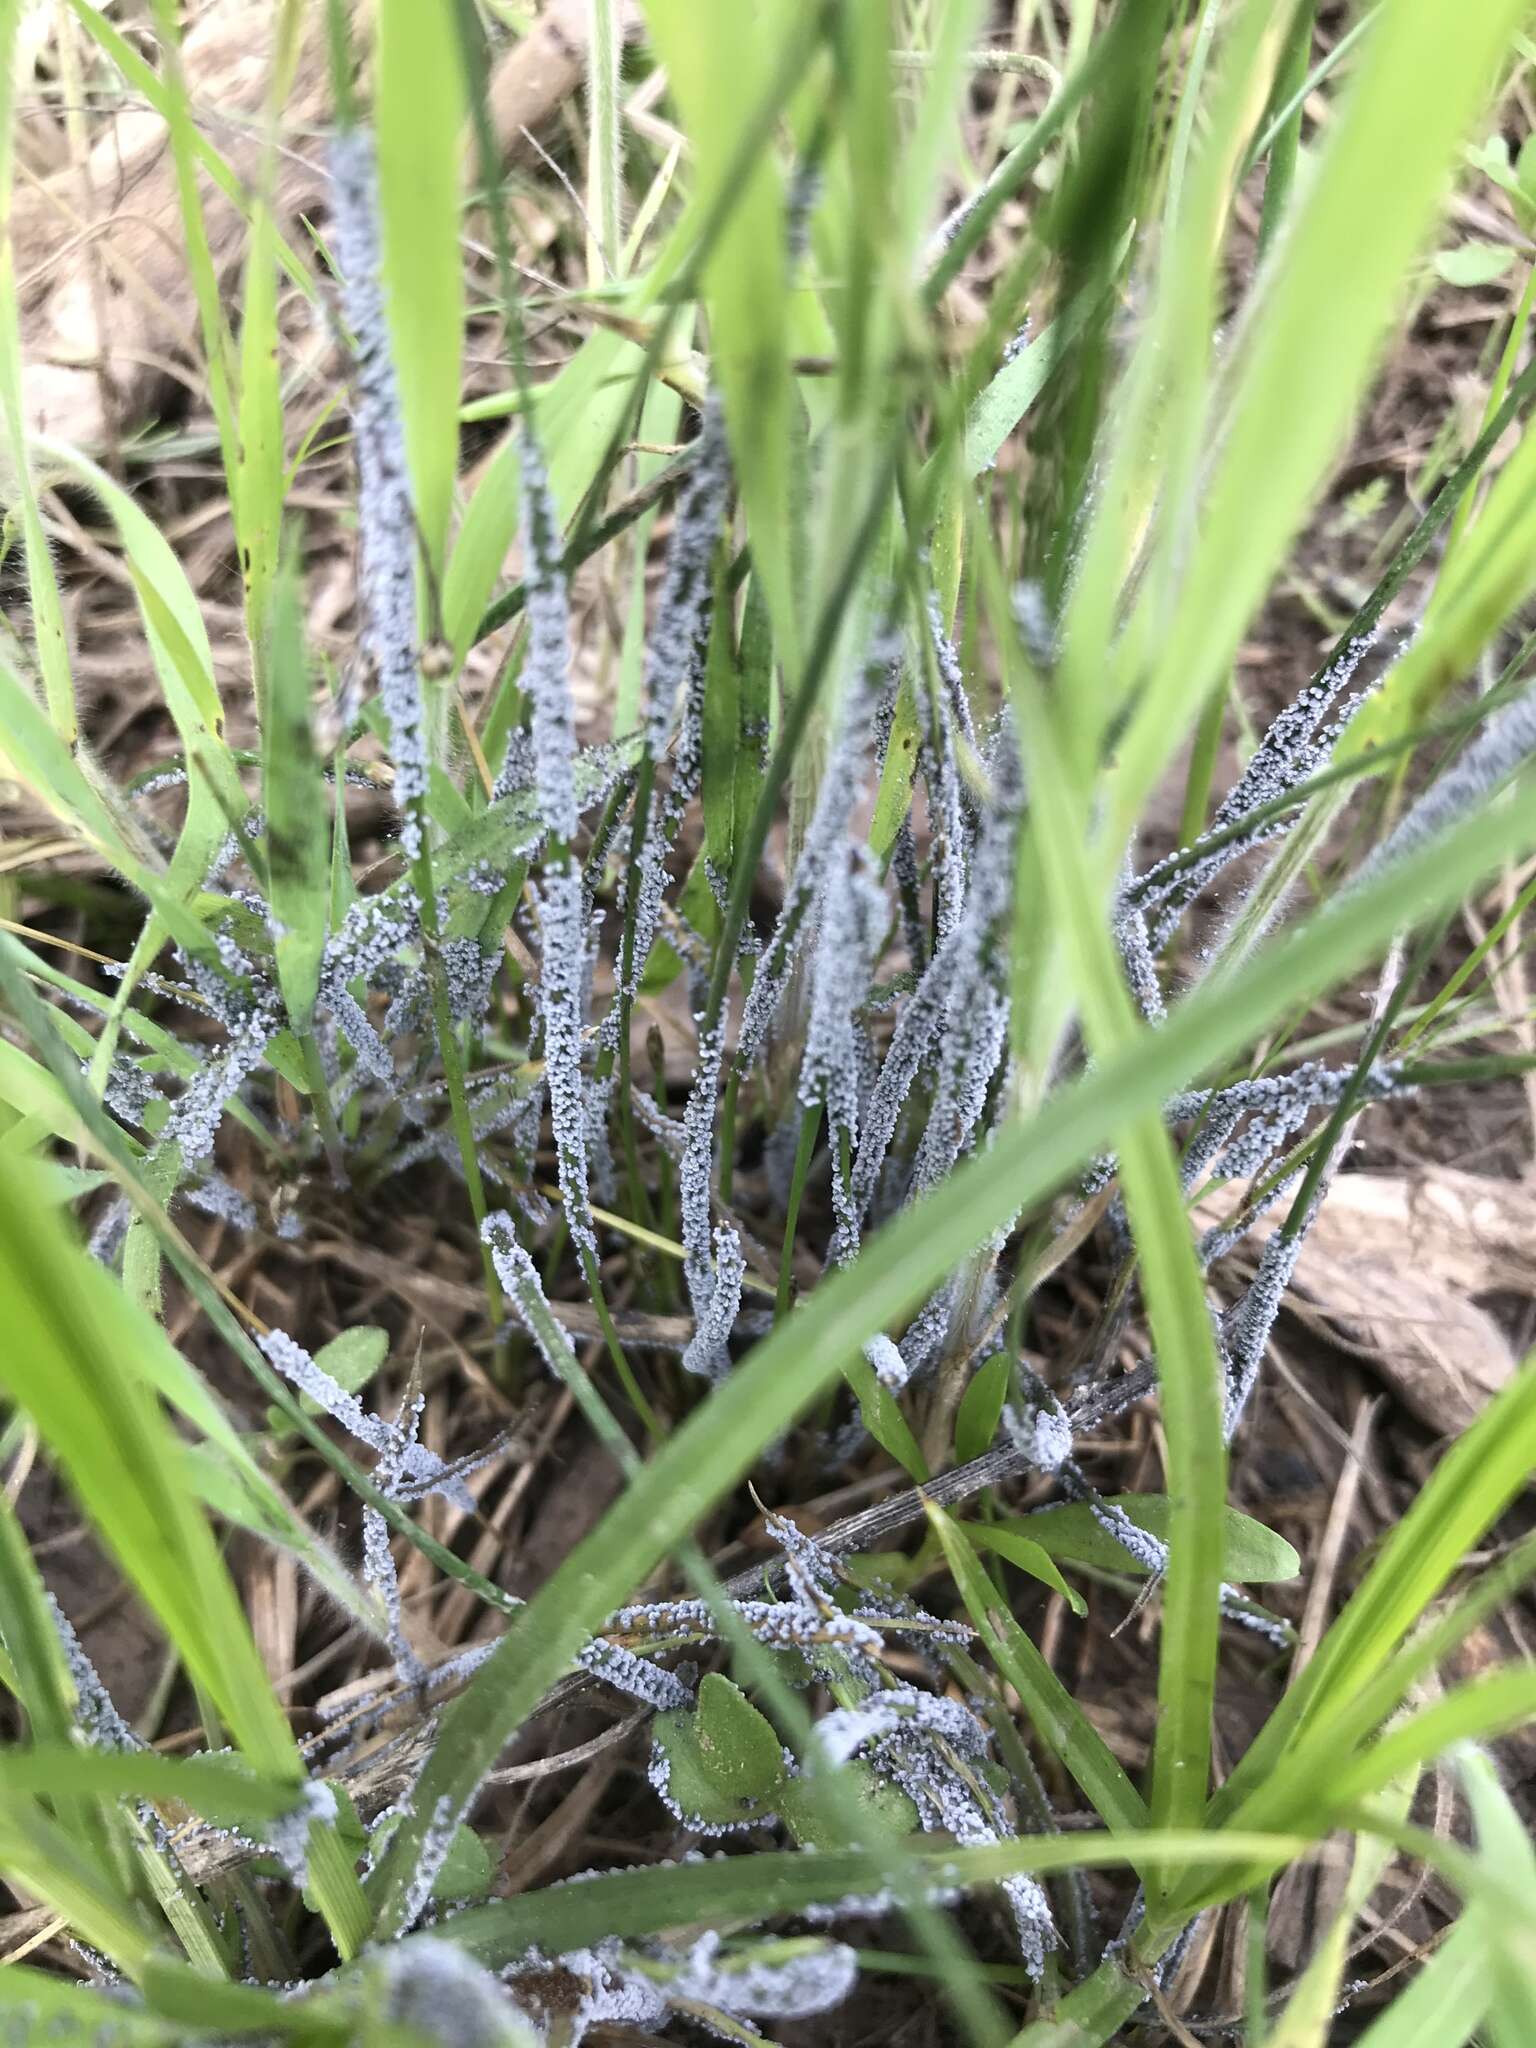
(634, 1156)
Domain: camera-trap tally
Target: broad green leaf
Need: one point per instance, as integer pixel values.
(981, 1408)
(1474, 263)
(740, 1751)
(1029, 1556)
(419, 114)
(992, 417)
(354, 1357)
(1251, 1554)
(802, 1807)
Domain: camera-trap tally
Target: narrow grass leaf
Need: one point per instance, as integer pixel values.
(419, 122)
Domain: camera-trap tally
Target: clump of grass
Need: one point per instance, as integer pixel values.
(923, 710)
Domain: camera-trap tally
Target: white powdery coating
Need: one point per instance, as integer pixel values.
(707, 1353)
(781, 1624)
(520, 1277)
(96, 1716)
(288, 1835)
(546, 673)
(372, 935)
(563, 970)
(696, 1165)
(846, 1730)
(215, 1197)
(751, 1987)
(884, 1355)
(1290, 753)
(468, 973)
(848, 932)
(373, 1057)
(921, 1756)
(926, 1333)
(1489, 762)
(614, 1996)
(675, 659)
(129, 1090)
(422, 1470)
(386, 522)
(1130, 929)
(193, 1123)
(840, 784)
(1246, 1330)
(811, 1569)
(915, 1031)
(950, 672)
(673, 646)
(948, 839)
(379, 1572)
(517, 772)
(444, 1994)
(1276, 1105)
(1050, 1437)
(1148, 1550)
(659, 1777)
(107, 1238)
(635, 1675)
(436, 1843)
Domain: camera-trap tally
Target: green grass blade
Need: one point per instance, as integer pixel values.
(37, 1853)
(1315, 326)
(419, 120)
(298, 815)
(719, 62)
(788, 1370)
(218, 342)
(1053, 1713)
(42, 585)
(1505, 1845)
(633, 1903)
(73, 1364)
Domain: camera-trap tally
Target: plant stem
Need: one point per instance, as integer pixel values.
(1289, 93)
(621, 1364)
(453, 1060)
(325, 1114)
